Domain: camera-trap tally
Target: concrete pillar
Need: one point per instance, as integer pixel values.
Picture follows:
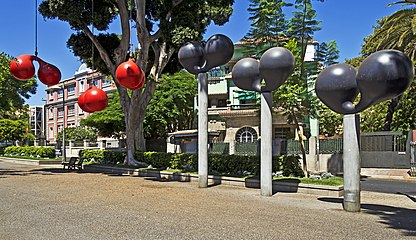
(85, 144)
(352, 163)
(232, 147)
(313, 153)
(203, 129)
(266, 184)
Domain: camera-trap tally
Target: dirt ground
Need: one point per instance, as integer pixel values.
(49, 203)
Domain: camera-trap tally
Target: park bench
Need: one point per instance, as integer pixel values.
(74, 163)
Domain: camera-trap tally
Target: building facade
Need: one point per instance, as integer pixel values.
(233, 113)
(37, 123)
(61, 109)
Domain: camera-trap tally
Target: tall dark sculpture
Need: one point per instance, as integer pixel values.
(382, 76)
(198, 58)
(264, 76)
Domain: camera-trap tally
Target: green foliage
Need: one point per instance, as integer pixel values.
(102, 156)
(396, 31)
(13, 92)
(31, 151)
(234, 165)
(110, 121)
(79, 40)
(327, 53)
(291, 166)
(268, 26)
(12, 130)
(172, 106)
(303, 24)
(79, 134)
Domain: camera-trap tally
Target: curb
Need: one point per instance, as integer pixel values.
(30, 161)
(291, 187)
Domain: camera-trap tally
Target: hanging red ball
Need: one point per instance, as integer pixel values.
(48, 73)
(22, 67)
(129, 75)
(95, 99)
(82, 105)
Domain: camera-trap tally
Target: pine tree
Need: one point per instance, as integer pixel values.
(268, 26)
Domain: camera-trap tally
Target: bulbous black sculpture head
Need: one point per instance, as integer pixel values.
(337, 88)
(383, 75)
(274, 67)
(197, 58)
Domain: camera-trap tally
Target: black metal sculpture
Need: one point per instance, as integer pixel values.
(383, 75)
(274, 67)
(198, 57)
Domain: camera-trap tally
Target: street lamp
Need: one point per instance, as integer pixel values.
(62, 87)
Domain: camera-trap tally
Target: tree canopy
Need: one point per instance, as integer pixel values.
(161, 26)
(13, 92)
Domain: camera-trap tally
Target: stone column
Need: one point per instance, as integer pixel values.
(266, 184)
(352, 163)
(203, 129)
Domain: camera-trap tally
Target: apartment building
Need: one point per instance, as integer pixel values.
(62, 100)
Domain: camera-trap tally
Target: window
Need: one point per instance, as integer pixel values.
(51, 96)
(81, 86)
(246, 134)
(60, 112)
(222, 103)
(50, 113)
(71, 110)
(95, 82)
(282, 133)
(106, 82)
(71, 90)
(51, 132)
(60, 93)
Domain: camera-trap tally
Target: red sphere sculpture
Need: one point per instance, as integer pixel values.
(81, 103)
(48, 73)
(22, 67)
(94, 100)
(129, 75)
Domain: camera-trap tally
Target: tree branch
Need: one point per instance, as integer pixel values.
(103, 53)
(121, 50)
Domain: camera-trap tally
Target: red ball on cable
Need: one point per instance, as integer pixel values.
(22, 67)
(129, 75)
(48, 73)
(93, 100)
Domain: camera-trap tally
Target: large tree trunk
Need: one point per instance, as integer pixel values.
(390, 112)
(302, 145)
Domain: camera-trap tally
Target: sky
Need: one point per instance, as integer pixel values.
(346, 22)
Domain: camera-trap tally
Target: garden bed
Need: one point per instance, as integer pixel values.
(279, 185)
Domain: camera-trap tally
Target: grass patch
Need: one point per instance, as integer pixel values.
(333, 181)
(30, 158)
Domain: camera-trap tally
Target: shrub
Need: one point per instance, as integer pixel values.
(291, 166)
(237, 165)
(102, 156)
(30, 151)
(158, 159)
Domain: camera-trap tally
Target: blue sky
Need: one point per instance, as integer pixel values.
(347, 22)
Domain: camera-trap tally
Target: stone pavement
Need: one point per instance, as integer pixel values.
(49, 203)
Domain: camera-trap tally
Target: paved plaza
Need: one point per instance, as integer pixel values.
(49, 203)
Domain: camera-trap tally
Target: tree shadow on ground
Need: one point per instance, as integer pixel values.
(399, 218)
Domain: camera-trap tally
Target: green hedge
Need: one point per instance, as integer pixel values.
(220, 163)
(30, 151)
(102, 156)
(234, 165)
